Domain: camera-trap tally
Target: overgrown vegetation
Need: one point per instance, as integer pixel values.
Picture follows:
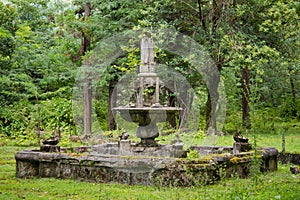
(45, 42)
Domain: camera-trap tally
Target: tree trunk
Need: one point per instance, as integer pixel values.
(87, 102)
(212, 95)
(184, 104)
(283, 141)
(111, 123)
(245, 97)
(211, 105)
(86, 37)
(87, 88)
(218, 7)
(208, 111)
(201, 16)
(171, 118)
(293, 90)
(214, 76)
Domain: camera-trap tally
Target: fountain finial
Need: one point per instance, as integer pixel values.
(147, 55)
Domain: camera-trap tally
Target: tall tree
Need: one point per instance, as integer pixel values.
(87, 90)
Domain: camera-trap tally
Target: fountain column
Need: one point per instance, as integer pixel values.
(148, 77)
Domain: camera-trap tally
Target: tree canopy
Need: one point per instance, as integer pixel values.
(254, 44)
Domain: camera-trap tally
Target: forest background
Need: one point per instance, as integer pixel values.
(255, 45)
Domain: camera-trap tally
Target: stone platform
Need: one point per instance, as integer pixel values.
(84, 163)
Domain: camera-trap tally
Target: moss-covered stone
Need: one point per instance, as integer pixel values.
(147, 170)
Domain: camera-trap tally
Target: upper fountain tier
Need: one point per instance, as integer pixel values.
(147, 110)
(147, 78)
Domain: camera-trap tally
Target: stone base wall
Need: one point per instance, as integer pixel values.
(293, 158)
(140, 170)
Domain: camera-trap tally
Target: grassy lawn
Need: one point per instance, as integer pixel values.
(276, 185)
(292, 140)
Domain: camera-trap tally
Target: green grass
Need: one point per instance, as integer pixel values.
(276, 185)
(267, 134)
(292, 140)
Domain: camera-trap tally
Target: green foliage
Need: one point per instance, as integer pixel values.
(101, 112)
(21, 120)
(8, 28)
(290, 109)
(55, 112)
(15, 119)
(41, 48)
(192, 154)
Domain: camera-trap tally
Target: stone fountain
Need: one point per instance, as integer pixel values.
(146, 162)
(147, 110)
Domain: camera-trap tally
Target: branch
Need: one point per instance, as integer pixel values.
(189, 5)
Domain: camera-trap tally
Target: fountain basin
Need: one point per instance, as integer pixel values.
(146, 115)
(81, 164)
(146, 118)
